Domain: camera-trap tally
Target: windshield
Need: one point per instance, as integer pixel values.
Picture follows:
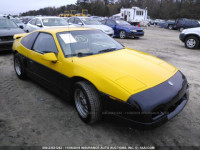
(54, 22)
(16, 20)
(90, 21)
(122, 22)
(6, 23)
(86, 42)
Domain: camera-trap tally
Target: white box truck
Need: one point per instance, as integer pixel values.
(134, 15)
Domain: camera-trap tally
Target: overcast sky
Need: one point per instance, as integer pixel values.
(18, 6)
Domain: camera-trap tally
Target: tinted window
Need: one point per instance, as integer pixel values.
(110, 23)
(45, 44)
(28, 40)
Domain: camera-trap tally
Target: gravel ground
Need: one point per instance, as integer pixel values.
(32, 116)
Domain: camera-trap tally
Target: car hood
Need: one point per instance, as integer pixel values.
(130, 27)
(101, 27)
(10, 31)
(132, 70)
(193, 30)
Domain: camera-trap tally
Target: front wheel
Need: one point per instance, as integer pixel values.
(122, 34)
(19, 67)
(192, 42)
(87, 101)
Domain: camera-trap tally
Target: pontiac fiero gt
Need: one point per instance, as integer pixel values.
(101, 75)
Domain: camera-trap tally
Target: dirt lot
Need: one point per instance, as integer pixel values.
(32, 116)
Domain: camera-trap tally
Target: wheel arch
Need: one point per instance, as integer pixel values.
(76, 79)
(197, 36)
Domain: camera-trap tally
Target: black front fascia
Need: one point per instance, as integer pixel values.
(163, 93)
(163, 99)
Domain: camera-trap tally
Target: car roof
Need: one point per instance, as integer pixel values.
(43, 17)
(64, 29)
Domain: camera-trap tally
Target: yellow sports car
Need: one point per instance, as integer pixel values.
(101, 75)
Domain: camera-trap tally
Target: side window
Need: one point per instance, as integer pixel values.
(28, 40)
(38, 21)
(195, 23)
(33, 22)
(71, 20)
(77, 21)
(45, 44)
(103, 22)
(110, 23)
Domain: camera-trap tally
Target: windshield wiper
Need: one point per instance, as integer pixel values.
(107, 50)
(83, 54)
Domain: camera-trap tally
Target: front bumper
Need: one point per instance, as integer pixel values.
(136, 34)
(154, 106)
(6, 45)
(182, 37)
(110, 33)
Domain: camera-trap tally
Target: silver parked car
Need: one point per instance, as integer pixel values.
(45, 22)
(191, 37)
(90, 23)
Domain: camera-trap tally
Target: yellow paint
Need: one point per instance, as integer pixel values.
(119, 74)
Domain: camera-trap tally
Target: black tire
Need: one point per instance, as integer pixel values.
(87, 101)
(191, 42)
(27, 31)
(170, 27)
(19, 67)
(122, 34)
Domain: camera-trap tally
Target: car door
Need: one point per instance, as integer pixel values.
(46, 72)
(112, 24)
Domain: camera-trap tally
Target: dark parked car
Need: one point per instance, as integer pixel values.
(123, 29)
(7, 29)
(170, 24)
(161, 24)
(182, 24)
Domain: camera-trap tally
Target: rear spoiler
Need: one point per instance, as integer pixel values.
(17, 36)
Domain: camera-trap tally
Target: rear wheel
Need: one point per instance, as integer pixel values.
(122, 34)
(192, 42)
(170, 27)
(19, 67)
(87, 101)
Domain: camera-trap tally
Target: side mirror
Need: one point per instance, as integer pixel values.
(21, 27)
(39, 25)
(50, 57)
(80, 23)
